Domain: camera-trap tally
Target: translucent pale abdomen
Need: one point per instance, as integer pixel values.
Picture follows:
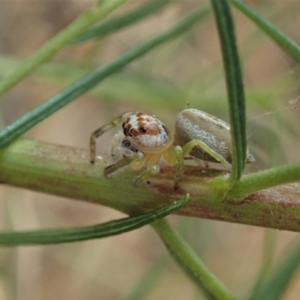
(215, 133)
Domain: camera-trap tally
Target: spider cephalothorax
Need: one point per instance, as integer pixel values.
(147, 132)
(145, 140)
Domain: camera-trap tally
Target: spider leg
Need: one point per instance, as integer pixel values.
(102, 130)
(153, 169)
(176, 156)
(138, 163)
(136, 160)
(190, 145)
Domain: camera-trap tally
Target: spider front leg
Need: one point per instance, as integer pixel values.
(102, 130)
(136, 161)
(188, 147)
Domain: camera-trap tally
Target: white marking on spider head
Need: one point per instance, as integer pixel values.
(146, 132)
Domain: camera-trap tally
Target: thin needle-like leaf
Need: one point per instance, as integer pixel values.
(68, 235)
(191, 263)
(283, 41)
(235, 88)
(117, 23)
(84, 21)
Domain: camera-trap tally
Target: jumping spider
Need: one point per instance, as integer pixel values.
(145, 140)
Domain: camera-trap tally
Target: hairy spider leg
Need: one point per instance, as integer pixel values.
(187, 148)
(178, 153)
(118, 120)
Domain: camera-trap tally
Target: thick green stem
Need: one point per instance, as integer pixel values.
(66, 172)
(265, 179)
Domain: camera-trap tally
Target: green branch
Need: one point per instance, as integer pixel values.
(255, 182)
(66, 172)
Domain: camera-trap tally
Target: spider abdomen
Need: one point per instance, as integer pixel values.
(194, 124)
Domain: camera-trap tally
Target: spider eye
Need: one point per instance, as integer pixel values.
(132, 132)
(143, 129)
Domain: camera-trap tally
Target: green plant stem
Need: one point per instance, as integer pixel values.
(66, 171)
(283, 41)
(87, 82)
(190, 262)
(82, 23)
(235, 87)
(265, 179)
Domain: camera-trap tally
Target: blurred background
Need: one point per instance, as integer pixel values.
(186, 72)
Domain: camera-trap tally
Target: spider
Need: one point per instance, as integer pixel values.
(145, 140)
